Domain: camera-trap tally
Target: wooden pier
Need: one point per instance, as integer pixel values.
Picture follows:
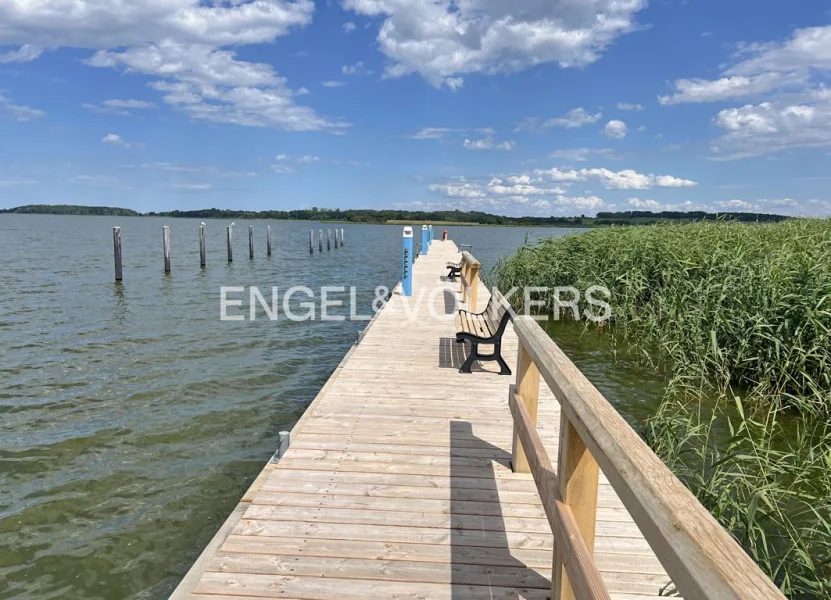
(400, 482)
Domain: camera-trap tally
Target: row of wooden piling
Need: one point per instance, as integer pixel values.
(320, 240)
(229, 237)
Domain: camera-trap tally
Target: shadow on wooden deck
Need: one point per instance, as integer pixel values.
(488, 562)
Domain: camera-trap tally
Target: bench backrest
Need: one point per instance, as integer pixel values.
(498, 312)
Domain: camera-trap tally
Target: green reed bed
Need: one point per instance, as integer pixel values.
(739, 317)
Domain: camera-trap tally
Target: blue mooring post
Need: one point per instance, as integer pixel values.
(430, 229)
(407, 263)
(424, 243)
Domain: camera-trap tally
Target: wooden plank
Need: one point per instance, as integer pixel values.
(334, 588)
(515, 575)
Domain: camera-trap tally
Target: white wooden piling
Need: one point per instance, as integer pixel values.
(201, 245)
(166, 243)
(341, 237)
(329, 239)
(117, 252)
(230, 247)
(320, 240)
(311, 241)
(268, 240)
(251, 242)
(336, 238)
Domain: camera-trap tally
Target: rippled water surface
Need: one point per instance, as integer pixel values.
(131, 418)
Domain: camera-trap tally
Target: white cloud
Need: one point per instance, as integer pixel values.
(753, 130)
(646, 204)
(349, 27)
(737, 205)
(286, 163)
(442, 39)
(180, 42)
(19, 112)
(357, 69)
(487, 143)
(582, 154)
(702, 90)
(510, 195)
(115, 140)
(615, 180)
(211, 85)
(615, 130)
(628, 106)
(576, 117)
(797, 110)
(333, 84)
(101, 24)
(25, 53)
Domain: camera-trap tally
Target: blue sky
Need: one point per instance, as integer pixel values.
(528, 107)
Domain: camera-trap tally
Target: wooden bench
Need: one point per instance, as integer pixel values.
(454, 270)
(485, 327)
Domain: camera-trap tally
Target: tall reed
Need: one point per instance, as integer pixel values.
(727, 310)
(720, 304)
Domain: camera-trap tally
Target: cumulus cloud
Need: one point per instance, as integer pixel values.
(615, 180)
(655, 206)
(115, 140)
(797, 112)
(333, 84)
(349, 27)
(180, 43)
(442, 39)
(615, 130)
(18, 112)
(102, 24)
(753, 130)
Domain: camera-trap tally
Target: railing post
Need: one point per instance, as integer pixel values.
(577, 474)
(463, 279)
(474, 286)
(528, 388)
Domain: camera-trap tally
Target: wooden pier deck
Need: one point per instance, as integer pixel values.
(398, 484)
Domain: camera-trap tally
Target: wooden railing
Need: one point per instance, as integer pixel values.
(470, 279)
(700, 556)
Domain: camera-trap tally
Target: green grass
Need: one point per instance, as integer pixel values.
(739, 318)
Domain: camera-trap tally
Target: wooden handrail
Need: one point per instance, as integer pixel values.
(469, 279)
(578, 560)
(703, 560)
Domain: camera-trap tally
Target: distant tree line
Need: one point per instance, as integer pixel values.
(69, 209)
(637, 217)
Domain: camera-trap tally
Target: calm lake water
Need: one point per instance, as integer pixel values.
(132, 419)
